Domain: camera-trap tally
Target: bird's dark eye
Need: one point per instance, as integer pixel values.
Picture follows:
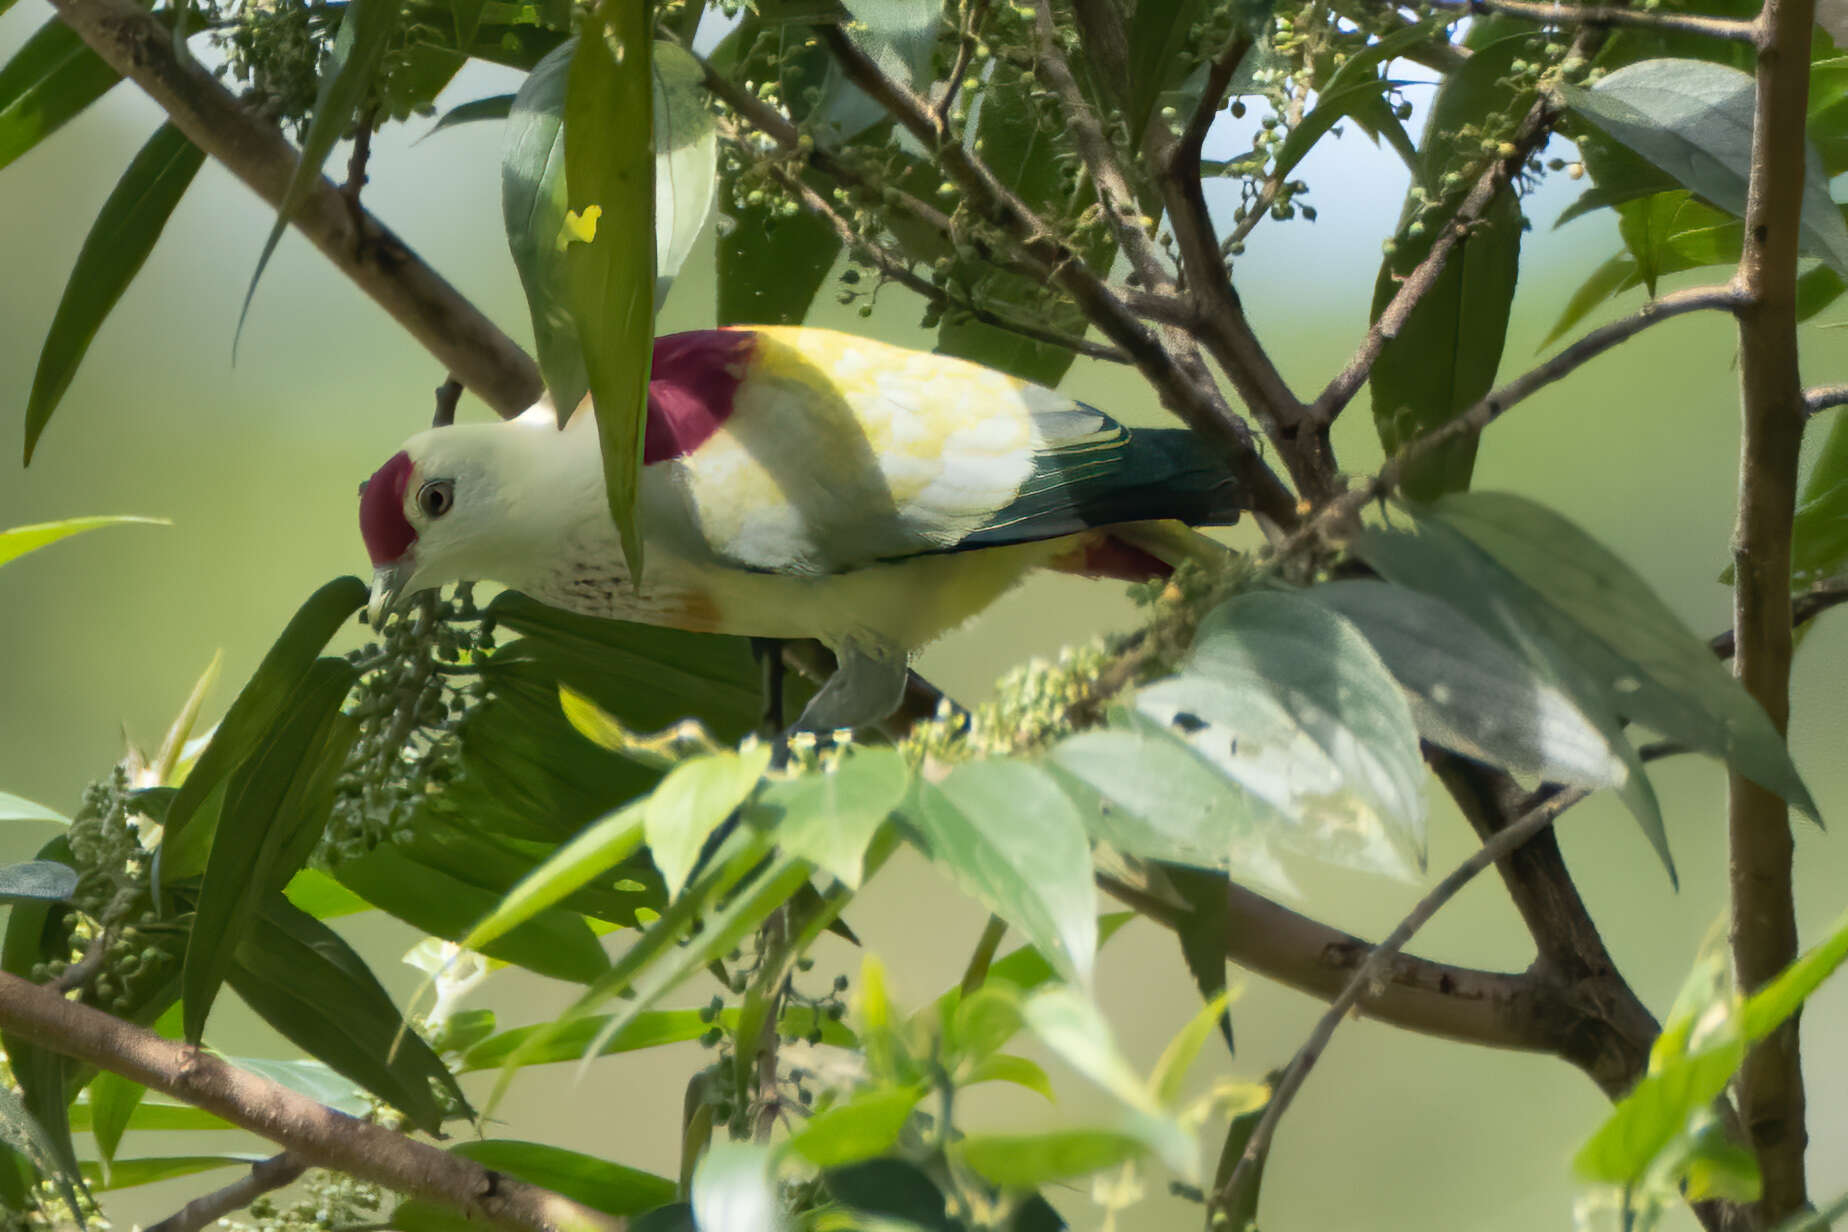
(436, 497)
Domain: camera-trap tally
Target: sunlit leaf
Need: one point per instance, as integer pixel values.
(1178, 1056)
(734, 1190)
(829, 817)
(18, 808)
(19, 540)
(127, 1173)
(862, 1127)
(694, 800)
(1027, 1161)
(1003, 1067)
(592, 853)
(1769, 1007)
(686, 161)
(1347, 88)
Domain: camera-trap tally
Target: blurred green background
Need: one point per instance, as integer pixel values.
(256, 463)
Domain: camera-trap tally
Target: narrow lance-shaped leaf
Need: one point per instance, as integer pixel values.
(287, 784)
(264, 697)
(51, 78)
(365, 33)
(493, 107)
(118, 243)
(1693, 119)
(597, 1183)
(609, 265)
(19, 540)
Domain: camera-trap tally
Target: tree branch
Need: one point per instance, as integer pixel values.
(1606, 16)
(1374, 969)
(313, 1132)
(1824, 397)
(1341, 510)
(264, 1177)
(1764, 924)
(131, 41)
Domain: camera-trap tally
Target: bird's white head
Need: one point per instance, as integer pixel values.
(444, 508)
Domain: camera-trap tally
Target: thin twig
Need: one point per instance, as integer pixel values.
(1804, 607)
(320, 1135)
(1196, 402)
(1764, 924)
(1604, 15)
(1374, 968)
(264, 1177)
(972, 12)
(133, 41)
(1594, 343)
(356, 178)
(1824, 397)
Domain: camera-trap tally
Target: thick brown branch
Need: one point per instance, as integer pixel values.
(135, 44)
(1764, 924)
(312, 1131)
(264, 1177)
(1375, 968)
(1606, 16)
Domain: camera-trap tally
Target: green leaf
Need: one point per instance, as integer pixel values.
(897, 1190)
(1023, 970)
(686, 152)
(113, 1101)
(1444, 357)
(1178, 1056)
(19, 540)
(1351, 86)
(828, 818)
(769, 267)
(289, 967)
(51, 78)
(1769, 1007)
(1616, 275)
(18, 808)
(149, 1114)
(264, 698)
(1819, 538)
(592, 853)
(1679, 688)
(533, 205)
(365, 33)
(1027, 1161)
(1003, 1067)
(863, 1127)
(113, 252)
(322, 897)
(597, 1183)
(1009, 836)
(541, 1045)
(1289, 700)
(1443, 563)
(734, 1190)
(314, 1079)
(53, 1158)
(1693, 119)
(283, 791)
(1471, 694)
(1655, 1112)
(555, 942)
(609, 278)
(45, 880)
(127, 1173)
(1073, 1027)
(1158, 31)
(693, 801)
(1159, 798)
(493, 107)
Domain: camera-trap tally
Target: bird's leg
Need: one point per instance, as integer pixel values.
(868, 685)
(768, 651)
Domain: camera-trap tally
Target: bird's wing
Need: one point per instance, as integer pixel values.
(835, 452)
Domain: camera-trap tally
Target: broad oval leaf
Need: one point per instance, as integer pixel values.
(1667, 678)
(686, 153)
(113, 252)
(1471, 694)
(1027, 1161)
(1693, 119)
(693, 801)
(1007, 834)
(52, 77)
(863, 1127)
(1289, 700)
(41, 880)
(829, 817)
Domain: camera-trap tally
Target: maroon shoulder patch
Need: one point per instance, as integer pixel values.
(387, 531)
(1106, 556)
(690, 389)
